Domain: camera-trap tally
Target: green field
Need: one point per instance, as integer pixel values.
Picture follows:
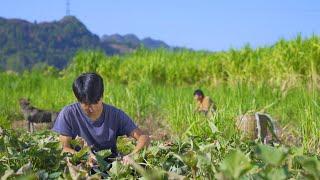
(156, 87)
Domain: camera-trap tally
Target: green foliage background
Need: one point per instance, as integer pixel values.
(282, 79)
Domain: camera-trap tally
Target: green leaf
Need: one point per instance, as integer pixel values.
(124, 145)
(118, 170)
(310, 165)
(80, 154)
(7, 174)
(103, 165)
(190, 159)
(278, 174)
(104, 153)
(54, 175)
(270, 155)
(42, 174)
(24, 169)
(235, 164)
(213, 127)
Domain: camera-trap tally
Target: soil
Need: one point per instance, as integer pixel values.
(155, 129)
(23, 125)
(158, 130)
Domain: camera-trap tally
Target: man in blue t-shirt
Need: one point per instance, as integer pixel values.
(97, 123)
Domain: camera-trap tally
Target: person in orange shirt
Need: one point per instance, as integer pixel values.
(204, 104)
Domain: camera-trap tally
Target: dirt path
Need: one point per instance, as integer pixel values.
(155, 129)
(23, 125)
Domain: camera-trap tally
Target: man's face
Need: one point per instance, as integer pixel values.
(198, 97)
(92, 109)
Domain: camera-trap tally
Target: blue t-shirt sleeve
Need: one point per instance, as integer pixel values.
(126, 124)
(63, 124)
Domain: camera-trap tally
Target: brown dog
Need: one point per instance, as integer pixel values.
(34, 115)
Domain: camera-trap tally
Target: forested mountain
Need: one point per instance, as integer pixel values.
(24, 44)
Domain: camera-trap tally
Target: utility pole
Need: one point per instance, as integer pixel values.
(67, 7)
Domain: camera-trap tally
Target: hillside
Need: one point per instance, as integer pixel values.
(129, 42)
(24, 44)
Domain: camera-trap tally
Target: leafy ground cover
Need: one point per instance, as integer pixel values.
(39, 156)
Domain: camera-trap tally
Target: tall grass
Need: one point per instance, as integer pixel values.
(282, 80)
(295, 60)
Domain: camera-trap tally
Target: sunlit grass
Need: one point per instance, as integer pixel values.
(281, 80)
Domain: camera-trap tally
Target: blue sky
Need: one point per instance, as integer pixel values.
(203, 24)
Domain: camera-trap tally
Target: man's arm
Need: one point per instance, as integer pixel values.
(63, 127)
(65, 142)
(143, 140)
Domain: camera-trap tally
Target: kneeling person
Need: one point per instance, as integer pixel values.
(97, 123)
(204, 104)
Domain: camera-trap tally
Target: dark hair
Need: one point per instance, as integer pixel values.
(88, 88)
(198, 92)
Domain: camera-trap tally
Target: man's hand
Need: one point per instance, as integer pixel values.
(127, 160)
(143, 140)
(65, 142)
(92, 160)
(82, 142)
